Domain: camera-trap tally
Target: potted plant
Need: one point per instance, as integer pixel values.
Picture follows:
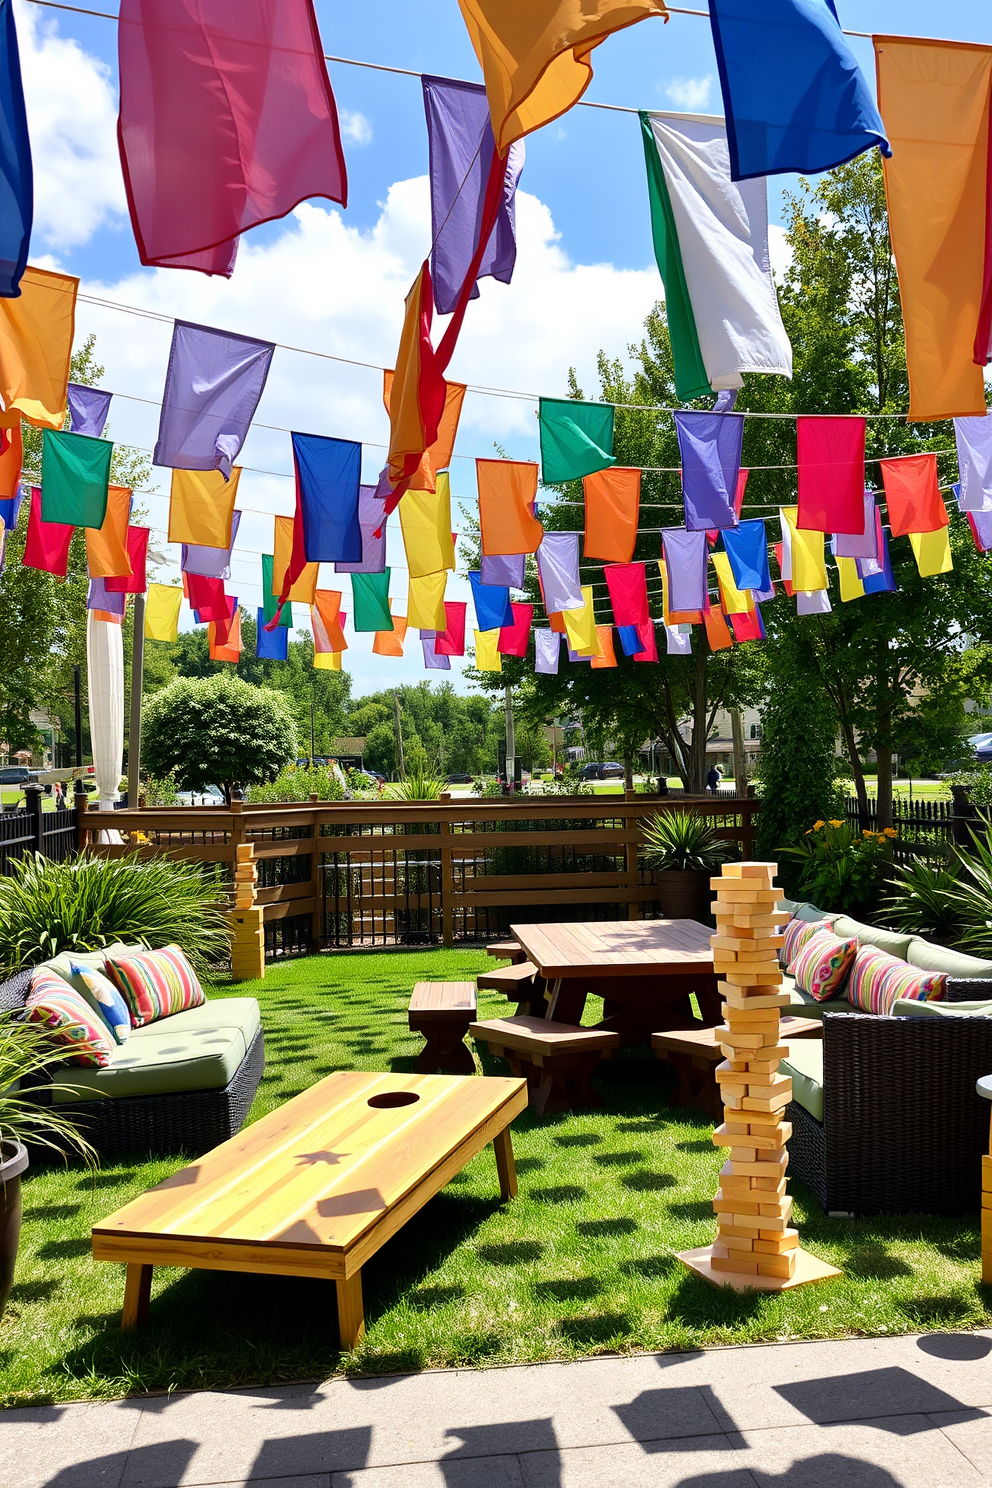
(25, 1052)
(684, 850)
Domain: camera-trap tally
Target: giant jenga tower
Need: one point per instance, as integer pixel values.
(247, 930)
(755, 1244)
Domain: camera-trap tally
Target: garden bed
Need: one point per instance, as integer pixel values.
(582, 1262)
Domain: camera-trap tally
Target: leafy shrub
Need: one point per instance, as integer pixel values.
(85, 904)
(26, 1051)
(923, 900)
(217, 730)
(841, 867)
(978, 783)
(682, 839)
(299, 783)
(796, 769)
(160, 792)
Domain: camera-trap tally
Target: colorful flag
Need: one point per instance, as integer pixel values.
(201, 508)
(710, 446)
(852, 545)
(390, 642)
(558, 571)
(605, 656)
(807, 569)
(576, 439)
(793, 93)
(270, 599)
(292, 578)
(973, 437)
(487, 657)
(106, 546)
(327, 661)
(612, 506)
(717, 632)
(227, 120)
(507, 492)
(162, 612)
(75, 475)
(749, 627)
(370, 521)
(425, 601)
(88, 409)
(370, 595)
(677, 642)
(492, 604)
(16, 175)
(851, 586)
(215, 562)
(438, 456)
(733, 601)
(711, 243)
(99, 597)
(513, 638)
(36, 335)
(425, 517)
(208, 598)
(224, 638)
(11, 461)
(327, 620)
(270, 645)
(547, 649)
(451, 640)
(434, 660)
(415, 394)
(981, 529)
(649, 643)
(747, 548)
(580, 625)
(912, 494)
(934, 97)
(328, 474)
(46, 546)
(503, 570)
(831, 455)
(813, 602)
(876, 573)
(212, 386)
(628, 586)
(932, 551)
(685, 560)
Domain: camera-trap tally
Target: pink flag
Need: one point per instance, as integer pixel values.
(513, 638)
(451, 641)
(47, 543)
(627, 583)
(137, 552)
(207, 597)
(649, 643)
(227, 120)
(831, 455)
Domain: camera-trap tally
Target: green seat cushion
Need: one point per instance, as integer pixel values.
(809, 913)
(804, 1005)
(886, 940)
(905, 1007)
(63, 962)
(199, 1049)
(938, 958)
(804, 1066)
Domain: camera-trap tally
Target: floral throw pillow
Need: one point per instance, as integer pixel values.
(822, 966)
(797, 933)
(155, 984)
(877, 980)
(72, 1023)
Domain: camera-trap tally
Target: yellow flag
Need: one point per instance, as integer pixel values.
(425, 601)
(851, 586)
(425, 517)
(304, 591)
(580, 626)
(162, 612)
(327, 661)
(487, 657)
(809, 569)
(733, 601)
(932, 551)
(201, 507)
(36, 334)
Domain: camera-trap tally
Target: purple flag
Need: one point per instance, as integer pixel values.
(88, 409)
(370, 520)
(677, 643)
(383, 489)
(506, 571)
(574, 656)
(461, 148)
(212, 387)
(858, 545)
(558, 567)
(974, 441)
(686, 557)
(212, 563)
(547, 649)
(710, 446)
(981, 527)
(873, 563)
(99, 597)
(432, 661)
(814, 602)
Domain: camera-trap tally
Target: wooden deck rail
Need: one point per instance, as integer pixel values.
(399, 872)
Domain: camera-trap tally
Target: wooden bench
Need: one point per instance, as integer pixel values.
(442, 1012)
(695, 1053)
(506, 950)
(556, 1059)
(521, 984)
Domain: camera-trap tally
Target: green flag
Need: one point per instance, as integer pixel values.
(75, 473)
(270, 601)
(370, 594)
(576, 439)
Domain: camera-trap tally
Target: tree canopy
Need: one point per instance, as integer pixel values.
(217, 731)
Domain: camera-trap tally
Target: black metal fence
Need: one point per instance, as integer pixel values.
(927, 829)
(33, 830)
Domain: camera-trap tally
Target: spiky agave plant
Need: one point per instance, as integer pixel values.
(681, 839)
(414, 788)
(89, 902)
(923, 900)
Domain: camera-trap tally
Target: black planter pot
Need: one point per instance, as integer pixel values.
(13, 1161)
(684, 893)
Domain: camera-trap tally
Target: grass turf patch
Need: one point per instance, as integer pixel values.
(581, 1262)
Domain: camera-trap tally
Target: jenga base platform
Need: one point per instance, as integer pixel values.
(808, 1269)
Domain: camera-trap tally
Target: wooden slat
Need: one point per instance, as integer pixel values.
(551, 896)
(288, 908)
(526, 882)
(617, 948)
(282, 893)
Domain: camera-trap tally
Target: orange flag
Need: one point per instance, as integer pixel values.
(224, 638)
(304, 588)
(106, 546)
(606, 656)
(438, 457)
(36, 333)
(507, 491)
(717, 631)
(10, 464)
(912, 495)
(390, 642)
(325, 618)
(934, 101)
(417, 392)
(613, 501)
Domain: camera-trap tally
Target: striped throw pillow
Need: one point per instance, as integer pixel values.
(72, 1023)
(155, 984)
(822, 965)
(877, 980)
(797, 933)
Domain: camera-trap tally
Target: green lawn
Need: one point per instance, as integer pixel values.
(581, 1262)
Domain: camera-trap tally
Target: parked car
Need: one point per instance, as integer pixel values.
(590, 771)
(611, 770)
(459, 780)
(18, 775)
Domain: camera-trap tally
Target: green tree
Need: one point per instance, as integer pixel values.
(217, 731)
(796, 768)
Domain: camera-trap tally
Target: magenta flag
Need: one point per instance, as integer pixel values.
(628, 586)
(649, 643)
(451, 640)
(227, 120)
(831, 455)
(137, 551)
(215, 563)
(207, 597)
(212, 386)
(513, 638)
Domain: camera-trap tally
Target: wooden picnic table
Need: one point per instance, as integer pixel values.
(644, 970)
(316, 1187)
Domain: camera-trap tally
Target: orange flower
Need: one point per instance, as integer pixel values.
(817, 825)
(889, 832)
(835, 824)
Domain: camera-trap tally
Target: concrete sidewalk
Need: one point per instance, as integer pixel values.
(861, 1413)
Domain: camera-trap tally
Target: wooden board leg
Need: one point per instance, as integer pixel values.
(351, 1311)
(137, 1292)
(505, 1166)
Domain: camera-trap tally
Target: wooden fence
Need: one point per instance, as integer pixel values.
(345, 874)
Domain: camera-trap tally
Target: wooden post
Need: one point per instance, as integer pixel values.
(632, 838)
(316, 882)
(755, 1244)
(447, 886)
(987, 1211)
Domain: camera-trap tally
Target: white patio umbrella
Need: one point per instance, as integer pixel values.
(105, 659)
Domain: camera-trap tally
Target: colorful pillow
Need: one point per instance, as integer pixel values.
(877, 980)
(797, 933)
(822, 965)
(104, 998)
(155, 984)
(72, 1022)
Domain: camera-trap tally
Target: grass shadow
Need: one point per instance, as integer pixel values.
(514, 1253)
(617, 1159)
(871, 1261)
(646, 1181)
(598, 1229)
(596, 1331)
(572, 1289)
(565, 1193)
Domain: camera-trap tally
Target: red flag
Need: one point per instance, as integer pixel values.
(912, 495)
(137, 552)
(47, 543)
(831, 455)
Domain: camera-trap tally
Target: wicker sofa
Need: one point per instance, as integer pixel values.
(884, 1113)
(182, 1084)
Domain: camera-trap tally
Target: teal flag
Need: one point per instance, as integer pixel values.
(270, 601)
(370, 594)
(576, 439)
(75, 473)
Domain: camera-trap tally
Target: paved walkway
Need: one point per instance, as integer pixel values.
(912, 1411)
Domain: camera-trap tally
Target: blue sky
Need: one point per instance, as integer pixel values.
(335, 282)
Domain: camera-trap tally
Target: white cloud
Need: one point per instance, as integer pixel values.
(72, 117)
(779, 252)
(691, 94)
(355, 128)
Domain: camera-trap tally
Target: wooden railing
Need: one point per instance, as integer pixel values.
(342, 874)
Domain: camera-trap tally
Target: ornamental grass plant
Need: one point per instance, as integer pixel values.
(682, 839)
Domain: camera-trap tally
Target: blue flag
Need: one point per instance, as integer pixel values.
(16, 175)
(271, 645)
(793, 93)
(747, 549)
(328, 473)
(492, 604)
(630, 640)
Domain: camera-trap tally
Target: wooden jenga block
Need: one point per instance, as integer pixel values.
(788, 1240)
(780, 1265)
(740, 997)
(734, 1265)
